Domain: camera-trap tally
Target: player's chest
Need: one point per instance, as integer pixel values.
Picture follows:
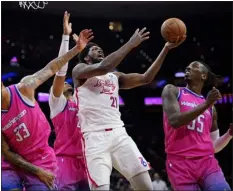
(107, 84)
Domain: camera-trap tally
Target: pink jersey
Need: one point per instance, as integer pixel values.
(27, 130)
(192, 140)
(68, 135)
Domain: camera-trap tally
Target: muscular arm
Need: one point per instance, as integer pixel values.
(219, 143)
(128, 81)
(172, 109)
(29, 83)
(17, 160)
(59, 79)
(84, 71)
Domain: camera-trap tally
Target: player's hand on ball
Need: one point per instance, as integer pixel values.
(46, 177)
(179, 41)
(67, 27)
(138, 37)
(213, 96)
(84, 37)
(231, 129)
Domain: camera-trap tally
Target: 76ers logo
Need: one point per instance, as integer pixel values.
(107, 86)
(143, 162)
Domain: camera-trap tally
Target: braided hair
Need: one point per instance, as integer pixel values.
(212, 78)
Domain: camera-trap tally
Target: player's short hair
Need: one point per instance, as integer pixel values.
(212, 78)
(85, 51)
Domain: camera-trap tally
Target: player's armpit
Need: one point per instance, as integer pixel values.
(170, 104)
(84, 71)
(16, 160)
(132, 80)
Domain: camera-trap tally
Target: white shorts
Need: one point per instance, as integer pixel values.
(107, 149)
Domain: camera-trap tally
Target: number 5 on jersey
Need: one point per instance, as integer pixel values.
(21, 136)
(197, 124)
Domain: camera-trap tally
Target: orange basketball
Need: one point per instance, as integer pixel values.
(173, 28)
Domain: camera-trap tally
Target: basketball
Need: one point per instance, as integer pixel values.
(173, 28)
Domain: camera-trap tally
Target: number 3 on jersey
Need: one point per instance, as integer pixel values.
(24, 134)
(114, 102)
(197, 124)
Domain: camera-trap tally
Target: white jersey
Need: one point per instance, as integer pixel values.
(98, 101)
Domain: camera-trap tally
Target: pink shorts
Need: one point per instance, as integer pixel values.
(71, 171)
(195, 174)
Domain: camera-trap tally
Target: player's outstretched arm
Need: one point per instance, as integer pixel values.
(29, 83)
(27, 167)
(172, 109)
(84, 71)
(128, 81)
(59, 79)
(219, 142)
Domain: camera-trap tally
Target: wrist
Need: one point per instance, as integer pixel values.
(130, 45)
(166, 48)
(65, 37)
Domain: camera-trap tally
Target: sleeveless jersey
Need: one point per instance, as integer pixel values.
(192, 140)
(98, 101)
(68, 135)
(27, 131)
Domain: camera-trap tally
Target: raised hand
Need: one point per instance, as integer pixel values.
(67, 27)
(84, 37)
(213, 96)
(138, 37)
(179, 41)
(47, 178)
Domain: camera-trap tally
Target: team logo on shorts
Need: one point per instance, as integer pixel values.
(143, 162)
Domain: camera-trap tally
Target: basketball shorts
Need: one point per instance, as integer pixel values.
(12, 179)
(111, 148)
(71, 174)
(195, 174)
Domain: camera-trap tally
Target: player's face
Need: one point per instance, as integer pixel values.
(68, 89)
(96, 54)
(194, 72)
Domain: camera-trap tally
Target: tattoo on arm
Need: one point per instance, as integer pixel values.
(35, 80)
(17, 160)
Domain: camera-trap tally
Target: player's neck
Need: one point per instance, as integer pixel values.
(69, 97)
(196, 88)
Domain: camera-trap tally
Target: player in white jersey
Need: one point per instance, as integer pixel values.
(105, 139)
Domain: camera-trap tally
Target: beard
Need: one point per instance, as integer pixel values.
(96, 60)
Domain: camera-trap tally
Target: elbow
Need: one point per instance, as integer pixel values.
(174, 121)
(146, 79)
(174, 124)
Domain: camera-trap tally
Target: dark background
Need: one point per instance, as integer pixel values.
(34, 37)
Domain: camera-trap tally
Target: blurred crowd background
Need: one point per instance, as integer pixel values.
(31, 38)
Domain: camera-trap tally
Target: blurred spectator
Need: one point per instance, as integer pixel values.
(158, 183)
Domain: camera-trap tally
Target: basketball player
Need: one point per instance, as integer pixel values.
(191, 132)
(106, 141)
(25, 130)
(71, 173)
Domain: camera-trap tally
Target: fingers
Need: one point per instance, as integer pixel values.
(75, 37)
(142, 31)
(137, 30)
(89, 39)
(66, 17)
